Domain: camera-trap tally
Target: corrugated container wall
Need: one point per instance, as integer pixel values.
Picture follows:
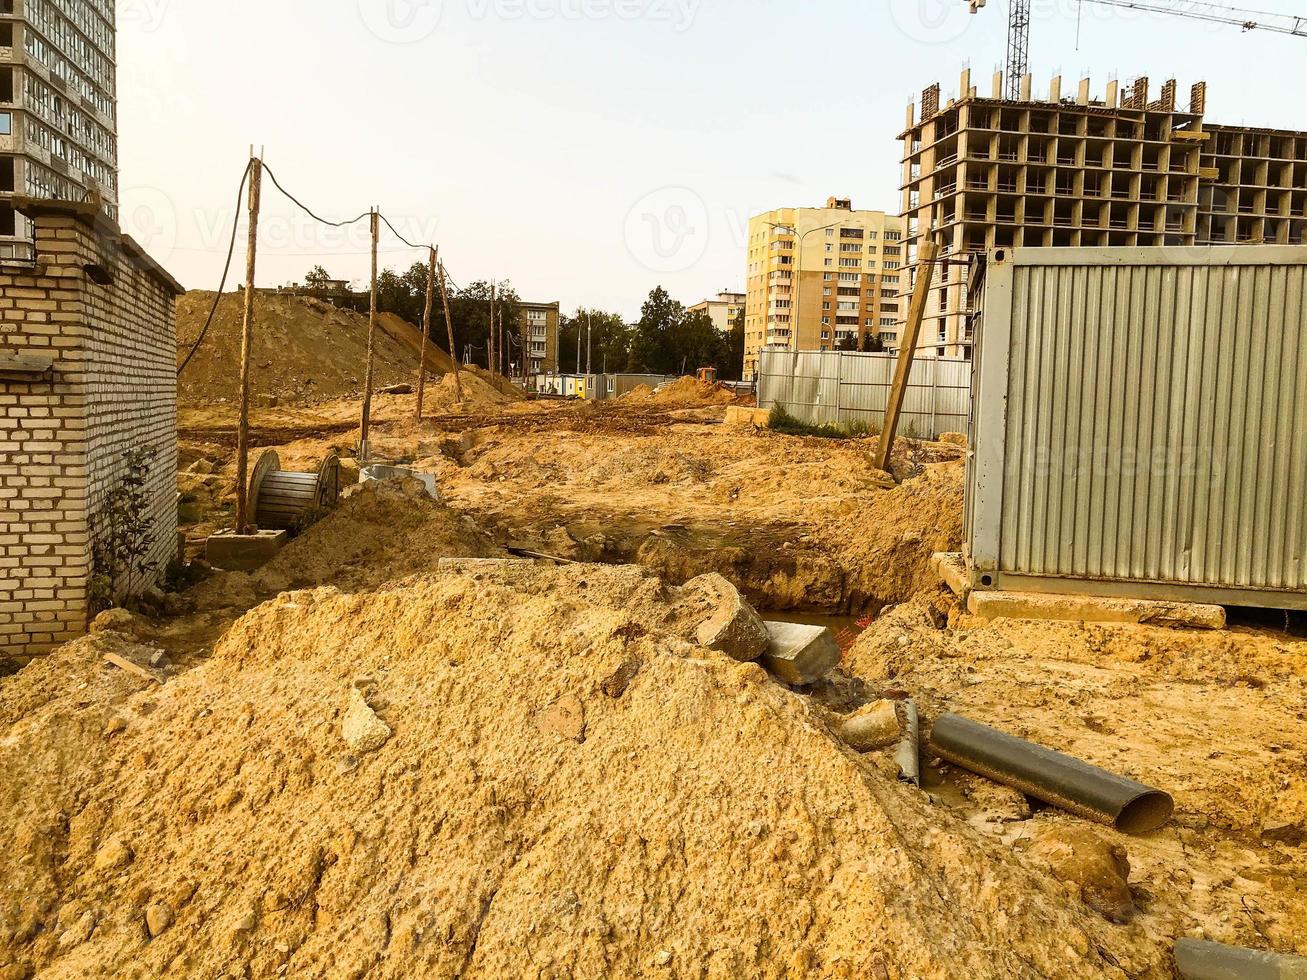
(1139, 424)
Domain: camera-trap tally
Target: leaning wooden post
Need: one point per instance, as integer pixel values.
(907, 350)
(449, 327)
(247, 343)
(426, 331)
(372, 335)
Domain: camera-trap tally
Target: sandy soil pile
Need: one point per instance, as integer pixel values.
(305, 350)
(481, 392)
(683, 391)
(383, 530)
(544, 778)
(1214, 718)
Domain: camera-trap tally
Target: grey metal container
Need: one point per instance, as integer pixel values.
(1139, 424)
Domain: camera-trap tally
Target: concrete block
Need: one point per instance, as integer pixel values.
(733, 628)
(800, 654)
(243, 552)
(1095, 609)
(747, 418)
(951, 569)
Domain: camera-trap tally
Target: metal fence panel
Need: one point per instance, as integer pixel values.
(1141, 423)
(843, 388)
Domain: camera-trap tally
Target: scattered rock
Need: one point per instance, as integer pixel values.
(362, 730)
(799, 654)
(246, 923)
(159, 659)
(1098, 870)
(119, 621)
(733, 628)
(116, 725)
(565, 717)
(616, 683)
(399, 389)
(202, 466)
(871, 727)
(79, 932)
(158, 918)
(113, 853)
(662, 958)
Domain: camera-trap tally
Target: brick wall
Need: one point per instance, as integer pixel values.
(112, 387)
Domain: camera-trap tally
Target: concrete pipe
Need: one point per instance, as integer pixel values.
(1197, 959)
(1061, 780)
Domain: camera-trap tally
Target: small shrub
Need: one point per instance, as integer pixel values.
(120, 535)
(782, 421)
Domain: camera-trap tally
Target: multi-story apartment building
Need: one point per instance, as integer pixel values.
(723, 310)
(822, 279)
(58, 109)
(984, 173)
(538, 325)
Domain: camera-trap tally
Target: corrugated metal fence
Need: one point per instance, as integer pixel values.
(821, 387)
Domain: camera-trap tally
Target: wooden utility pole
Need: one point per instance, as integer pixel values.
(426, 331)
(926, 257)
(490, 337)
(372, 336)
(449, 327)
(247, 343)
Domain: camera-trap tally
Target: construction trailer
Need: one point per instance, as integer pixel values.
(594, 387)
(1139, 424)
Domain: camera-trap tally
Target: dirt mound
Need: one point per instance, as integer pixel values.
(305, 350)
(689, 390)
(554, 783)
(481, 391)
(1212, 717)
(382, 531)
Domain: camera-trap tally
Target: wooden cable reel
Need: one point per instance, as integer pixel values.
(281, 497)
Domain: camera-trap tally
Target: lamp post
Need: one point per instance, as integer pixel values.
(798, 270)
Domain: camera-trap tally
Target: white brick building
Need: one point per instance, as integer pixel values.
(87, 372)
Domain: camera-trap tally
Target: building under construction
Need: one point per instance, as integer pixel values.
(1072, 170)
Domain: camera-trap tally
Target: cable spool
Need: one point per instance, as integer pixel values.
(280, 497)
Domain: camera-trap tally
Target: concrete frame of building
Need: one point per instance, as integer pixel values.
(840, 266)
(1122, 170)
(58, 110)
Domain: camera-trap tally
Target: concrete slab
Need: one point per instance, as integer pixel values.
(748, 418)
(800, 654)
(951, 569)
(1095, 609)
(733, 628)
(243, 552)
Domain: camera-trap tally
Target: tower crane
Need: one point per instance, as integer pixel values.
(1018, 27)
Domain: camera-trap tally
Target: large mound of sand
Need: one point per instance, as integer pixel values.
(530, 814)
(683, 391)
(304, 349)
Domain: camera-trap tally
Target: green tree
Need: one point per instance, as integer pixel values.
(470, 311)
(734, 369)
(652, 347)
(609, 338)
(316, 279)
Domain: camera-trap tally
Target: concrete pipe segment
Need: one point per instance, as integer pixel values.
(1061, 780)
(1197, 959)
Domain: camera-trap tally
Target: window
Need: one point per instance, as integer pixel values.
(830, 232)
(6, 124)
(828, 263)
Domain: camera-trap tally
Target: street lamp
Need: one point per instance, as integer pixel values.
(798, 270)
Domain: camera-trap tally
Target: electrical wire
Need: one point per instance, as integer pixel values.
(401, 237)
(305, 208)
(226, 269)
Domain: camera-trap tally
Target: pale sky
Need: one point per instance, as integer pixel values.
(587, 150)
